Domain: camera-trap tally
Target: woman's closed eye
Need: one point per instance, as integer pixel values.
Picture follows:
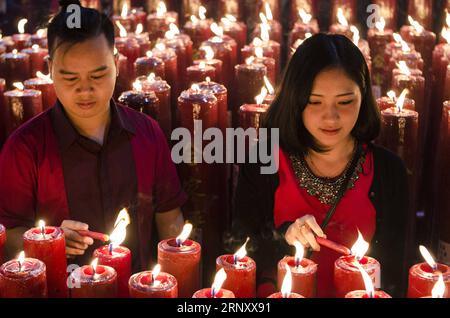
(314, 102)
(346, 102)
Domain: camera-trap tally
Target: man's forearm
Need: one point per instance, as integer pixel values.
(14, 242)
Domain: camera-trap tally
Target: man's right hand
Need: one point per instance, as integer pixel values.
(75, 243)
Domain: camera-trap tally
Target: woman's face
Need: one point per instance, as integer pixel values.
(84, 77)
(333, 108)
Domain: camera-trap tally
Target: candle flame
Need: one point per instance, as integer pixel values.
(263, 18)
(173, 27)
(208, 79)
(305, 16)
(202, 13)
(232, 18)
(299, 252)
(355, 32)
(401, 100)
(269, 86)
(94, 264)
(257, 42)
(115, 51)
(380, 24)
(286, 287)
(259, 53)
(149, 54)
(427, 256)
(209, 52)
(405, 46)
(269, 14)
(169, 35)
(19, 86)
(260, 98)
(447, 18)
(139, 29)
(122, 31)
(151, 77)
(161, 9)
(21, 259)
(216, 29)
(404, 69)
(119, 233)
(341, 17)
(160, 46)
(21, 25)
(416, 25)
(35, 47)
(187, 229)
(202, 65)
(137, 86)
(446, 34)
(155, 271)
(438, 290)
(397, 37)
(194, 19)
(391, 94)
(124, 12)
(249, 60)
(240, 254)
(195, 87)
(41, 75)
(41, 33)
(265, 37)
(360, 247)
(219, 279)
(367, 281)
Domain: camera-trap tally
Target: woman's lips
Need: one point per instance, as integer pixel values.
(331, 132)
(86, 105)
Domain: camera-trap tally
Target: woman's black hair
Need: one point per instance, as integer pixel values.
(92, 24)
(315, 54)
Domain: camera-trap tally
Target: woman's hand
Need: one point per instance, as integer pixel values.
(303, 230)
(75, 243)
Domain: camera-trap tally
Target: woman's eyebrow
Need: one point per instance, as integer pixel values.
(340, 95)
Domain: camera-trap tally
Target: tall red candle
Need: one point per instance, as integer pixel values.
(20, 106)
(422, 11)
(308, 6)
(2, 242)
(275, 28)
(126, 19)
(178, 45)
(145, 65)
(301, 28)
(129, 47)
(249, 78)
(93, 282)
(152, 284)
(124, 79)
(26, 279)
(183, 262)
(378, 38)
(2, 113)
(143, 101)
(236, 30)
(199, 72)
(140, 14)
(422, 279)
(142, 39)
(199, 30)
(416, 89)
(45, 85)
(15, 67)
(158, 22)
(47, 244)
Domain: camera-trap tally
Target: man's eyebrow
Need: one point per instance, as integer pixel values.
(98, 69)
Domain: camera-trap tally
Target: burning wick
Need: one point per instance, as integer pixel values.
(94, 268)
(240, 254)
(298, 254)
(42, 226)
(187, 228)
(155, 273)
(20, 259)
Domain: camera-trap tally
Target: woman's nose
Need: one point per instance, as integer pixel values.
(331, 112)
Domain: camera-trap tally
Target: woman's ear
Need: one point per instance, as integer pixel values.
(50, 67)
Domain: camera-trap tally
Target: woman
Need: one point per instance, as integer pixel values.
(327, 120)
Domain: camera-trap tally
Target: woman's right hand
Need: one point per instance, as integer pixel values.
(75, 243)
(303, 230)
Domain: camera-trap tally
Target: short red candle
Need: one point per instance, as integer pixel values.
(21, 105)
(183, 262)
(120, 260)
(21, 41)
(206, 293)
(38, 60)
(27, 282)
(198, 73)
(250, 115)
(303, 276)
(422, 279)
(46, 87)
(217, 64)
(164, 285)
(49, 247)
(249, 79)
(198, 30)
(347, 276)
(144, 102)
(86, 284)
(280, 295)
(241, 276)
(363, 294)
(145, 65)
(2, 242)
(158, 23)
(15, 67)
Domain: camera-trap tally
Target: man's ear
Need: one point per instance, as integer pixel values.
(116, 62)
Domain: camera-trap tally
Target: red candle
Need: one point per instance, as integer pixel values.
(143, 101)
(38, 60)
(15, 67)
(199, 72)
(241, 273)
(178, 46)
(93, 281)
(140, 14)
(40, 38)
(348, 9)
(249, 80)
(342, 24)
(220, 92)
(447, 84)
(116, 256)
(441, 54)
(236, 30)
(129, 47)
(250, 115)
(2, 242)
(142, 39)
(422, 12)
(414, 83)
(175, 35)
(303, 271)
(216, 290)
(423, 276)
(199, 30)
(47, 244)
(23, 278)
(274, 28)
(145, 65)
(21, 40)
(180, 257)
(399, 132)
(158, 22)
(306, 6)
(363, 294)
(125, 19)
(301, 28)
(275, 46)
(388, 12)
(153, 284)
(45, 85)
(124, 80)
(268, 62)
(286, 286)
(162, 91)
(2, 114)
(378, 38)
(21, 105)
(210, 60)
(386, 102)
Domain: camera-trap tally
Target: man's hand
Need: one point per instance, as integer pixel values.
(75, 243)
(169, 224)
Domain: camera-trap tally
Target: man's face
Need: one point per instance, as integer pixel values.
(84, 76)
